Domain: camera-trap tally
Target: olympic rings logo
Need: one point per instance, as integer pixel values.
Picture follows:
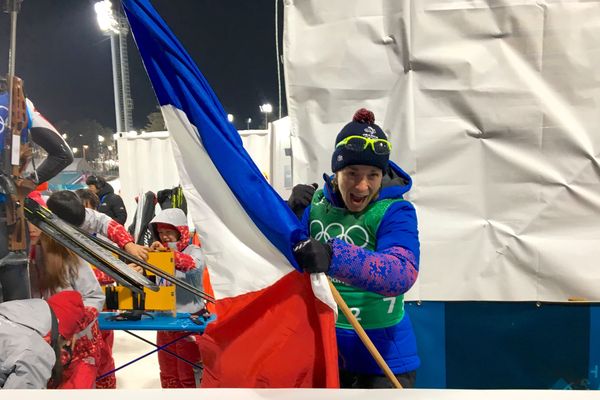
(336, 230)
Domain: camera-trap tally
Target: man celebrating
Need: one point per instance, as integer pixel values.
(364, 235)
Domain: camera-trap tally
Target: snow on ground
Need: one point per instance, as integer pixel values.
(143, 374)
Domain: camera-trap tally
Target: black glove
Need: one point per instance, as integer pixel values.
(301, 198)
(312, 255)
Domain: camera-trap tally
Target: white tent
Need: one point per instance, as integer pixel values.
(147, 163)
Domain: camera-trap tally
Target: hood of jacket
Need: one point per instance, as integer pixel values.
(178, 220)
(32, 313)
(106, 189)
(394, 184)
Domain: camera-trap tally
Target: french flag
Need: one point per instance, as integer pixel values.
(275, 325)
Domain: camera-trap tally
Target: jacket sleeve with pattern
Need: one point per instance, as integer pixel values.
(192, 257)
(392, 268)
(96, 222)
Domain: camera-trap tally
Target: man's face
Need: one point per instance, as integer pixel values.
(93, 188)
(167, 235)
(358, 185)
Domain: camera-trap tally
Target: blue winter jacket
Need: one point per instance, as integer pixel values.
(398, 228)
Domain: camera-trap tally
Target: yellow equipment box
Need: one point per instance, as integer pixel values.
(121, 298)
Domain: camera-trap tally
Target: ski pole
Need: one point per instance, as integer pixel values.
(364, 337)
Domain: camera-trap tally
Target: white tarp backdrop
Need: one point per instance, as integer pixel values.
(258, 143)
(146, 163)
(270, 151)
(493, 107)
(281, 157)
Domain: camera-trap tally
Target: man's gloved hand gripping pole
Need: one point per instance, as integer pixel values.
(314, 257)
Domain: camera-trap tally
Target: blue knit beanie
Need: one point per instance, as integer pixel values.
(363, 124)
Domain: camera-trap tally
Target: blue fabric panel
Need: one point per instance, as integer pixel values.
(594, 365)
(516, 345)
(428, 323)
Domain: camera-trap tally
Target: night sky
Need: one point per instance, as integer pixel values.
(65, 61)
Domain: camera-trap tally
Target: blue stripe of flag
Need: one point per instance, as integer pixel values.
(178, 81)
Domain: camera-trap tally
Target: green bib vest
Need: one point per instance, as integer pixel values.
(372, 310)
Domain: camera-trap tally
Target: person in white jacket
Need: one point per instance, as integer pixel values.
(27, 349)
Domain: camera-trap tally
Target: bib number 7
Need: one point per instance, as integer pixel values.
(392, 301)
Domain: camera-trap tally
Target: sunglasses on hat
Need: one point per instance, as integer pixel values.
(360, 143)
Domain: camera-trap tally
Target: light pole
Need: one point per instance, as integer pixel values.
(110, 163)
(101, 140)
(101, 153)
(109, 23)
(84, 147)
(248, 122)
(266, 109)
(230, 118)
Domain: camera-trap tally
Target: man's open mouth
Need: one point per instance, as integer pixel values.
(357, 199)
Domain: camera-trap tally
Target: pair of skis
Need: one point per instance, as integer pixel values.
(101, 254)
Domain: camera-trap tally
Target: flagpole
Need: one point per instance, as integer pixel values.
(364, 337)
